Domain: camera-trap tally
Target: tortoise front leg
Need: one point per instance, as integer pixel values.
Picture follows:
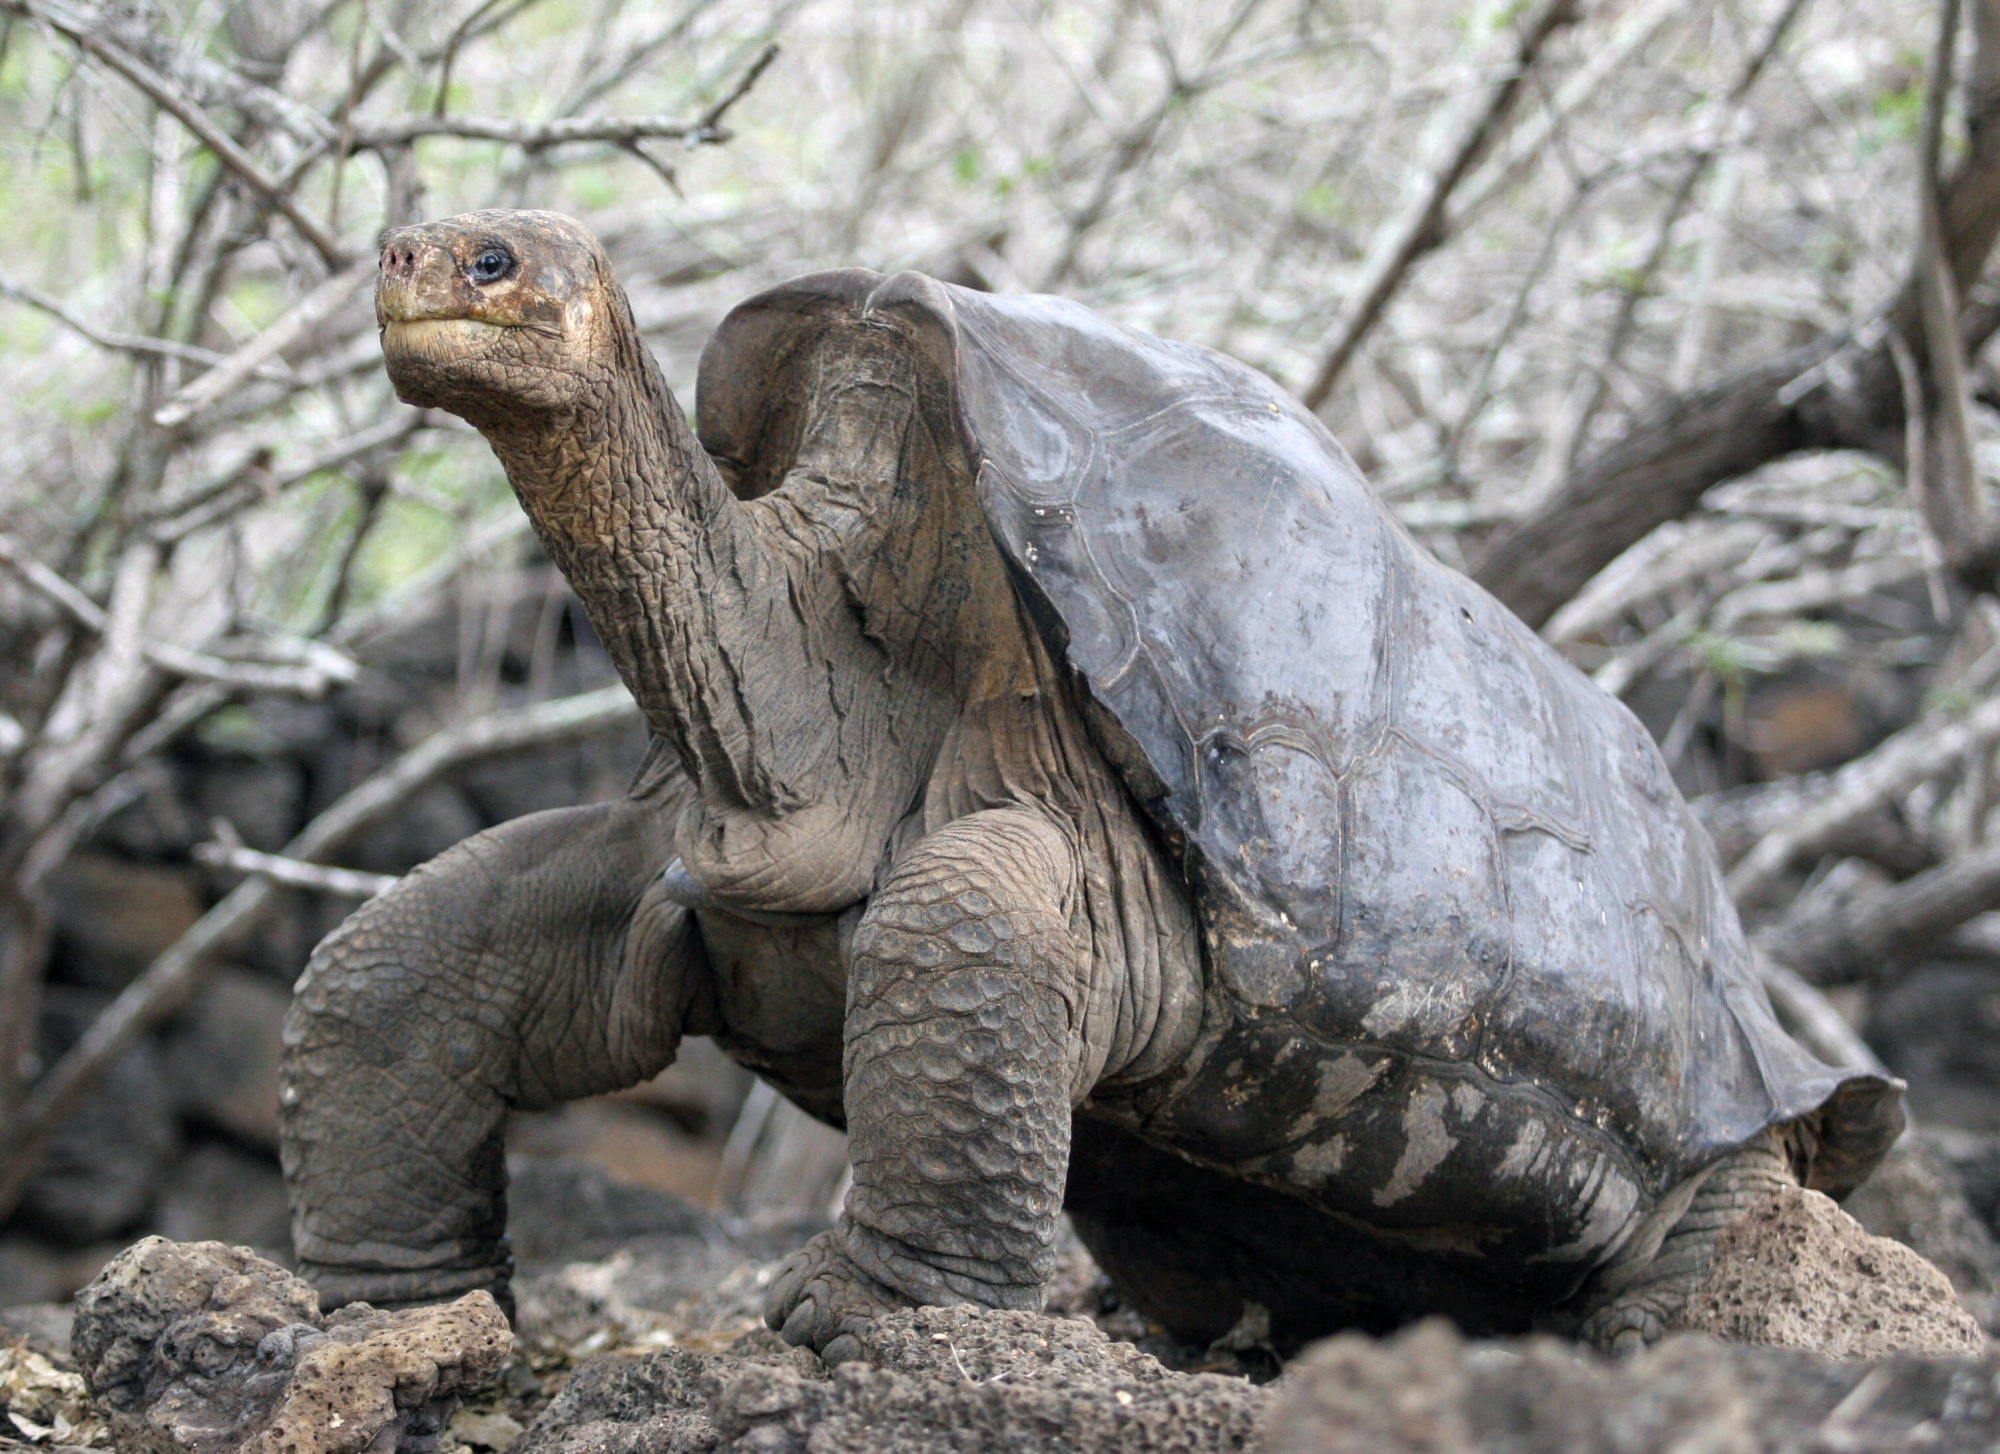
(962, 1053)
(534, 963)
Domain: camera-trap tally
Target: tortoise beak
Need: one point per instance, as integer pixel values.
(423, 303)
(418, 280)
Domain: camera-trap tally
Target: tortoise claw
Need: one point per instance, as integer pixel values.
(821, 1300)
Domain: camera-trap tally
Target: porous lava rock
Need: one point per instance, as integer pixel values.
(1795, 1271)
(203, 1348)
(1429, 1391)
(956, 1380)
(1919, 1198)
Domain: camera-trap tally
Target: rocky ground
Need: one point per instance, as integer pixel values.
(657, 1349)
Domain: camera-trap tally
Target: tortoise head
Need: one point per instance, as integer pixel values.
(498, 315)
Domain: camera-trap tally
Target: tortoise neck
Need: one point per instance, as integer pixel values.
(637, 518)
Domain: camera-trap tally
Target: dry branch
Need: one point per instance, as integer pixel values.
(167, 982)
(1869, 935)
(1666, 563)
(1938, 457)
(137, 343)
(347, 883)
(1417, 228)
(1574, 430)
(1817, 1024)
(1840, 391)
(1131, 148)
(298, 321)
(170, 98)
(1737, 819)
(1859, 790)
(318, 670)
(1526, 142)
(74, 603)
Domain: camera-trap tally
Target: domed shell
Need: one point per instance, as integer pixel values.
(1408, 823)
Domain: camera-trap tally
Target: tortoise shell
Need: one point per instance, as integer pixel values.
(1413, 832)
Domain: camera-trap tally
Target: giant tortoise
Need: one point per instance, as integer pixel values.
(1069, 778)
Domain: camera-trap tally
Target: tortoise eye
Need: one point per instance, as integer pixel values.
(491, 265)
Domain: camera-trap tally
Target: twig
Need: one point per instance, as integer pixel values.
(167, 982)
(304, 316)
(619, 131)
(1942, 474)
(1813, 1020)
(347, 883)
(1838, 391)
(704, 130)
(325, 667)
(311, 682)
(1528, 140)
(1698, 323)
(1867, 936)
(1916, 469)
(450, 56)
(744, 1132)
(709, 128)
(1572, 436)
(1628, 665)
(74, 603)
(1138, 140)
(137, 343)
(1811, 590)
(169, 97)
(1917, 753)
(179, 518)
(1737, 818)
(1667, 562)
(1415, 229)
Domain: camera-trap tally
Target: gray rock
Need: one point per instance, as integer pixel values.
(222, 1193)
(221, 1057)
(1917, 1198)
(569, 1211)
(1975, 1160)
(1939, 1028)
(112, 917)
(1027, 1382)
(101, 1172)
(623, 1405)
(199, 1348)
(1428, 1391)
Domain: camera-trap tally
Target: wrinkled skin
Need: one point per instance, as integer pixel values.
(876, 853)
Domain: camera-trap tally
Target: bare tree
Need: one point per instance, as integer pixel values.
(191, 567)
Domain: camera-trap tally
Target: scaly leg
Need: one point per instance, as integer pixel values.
(962, 1048)
(1635, 1306)
(535, 963)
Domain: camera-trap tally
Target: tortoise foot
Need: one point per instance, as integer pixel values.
(821, 1300)
(1629, 1325)
(1642, 1302)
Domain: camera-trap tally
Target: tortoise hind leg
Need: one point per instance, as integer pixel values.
(1191, 1248)
(1635, 1303)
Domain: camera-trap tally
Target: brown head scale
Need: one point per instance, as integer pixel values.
(497, 315)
